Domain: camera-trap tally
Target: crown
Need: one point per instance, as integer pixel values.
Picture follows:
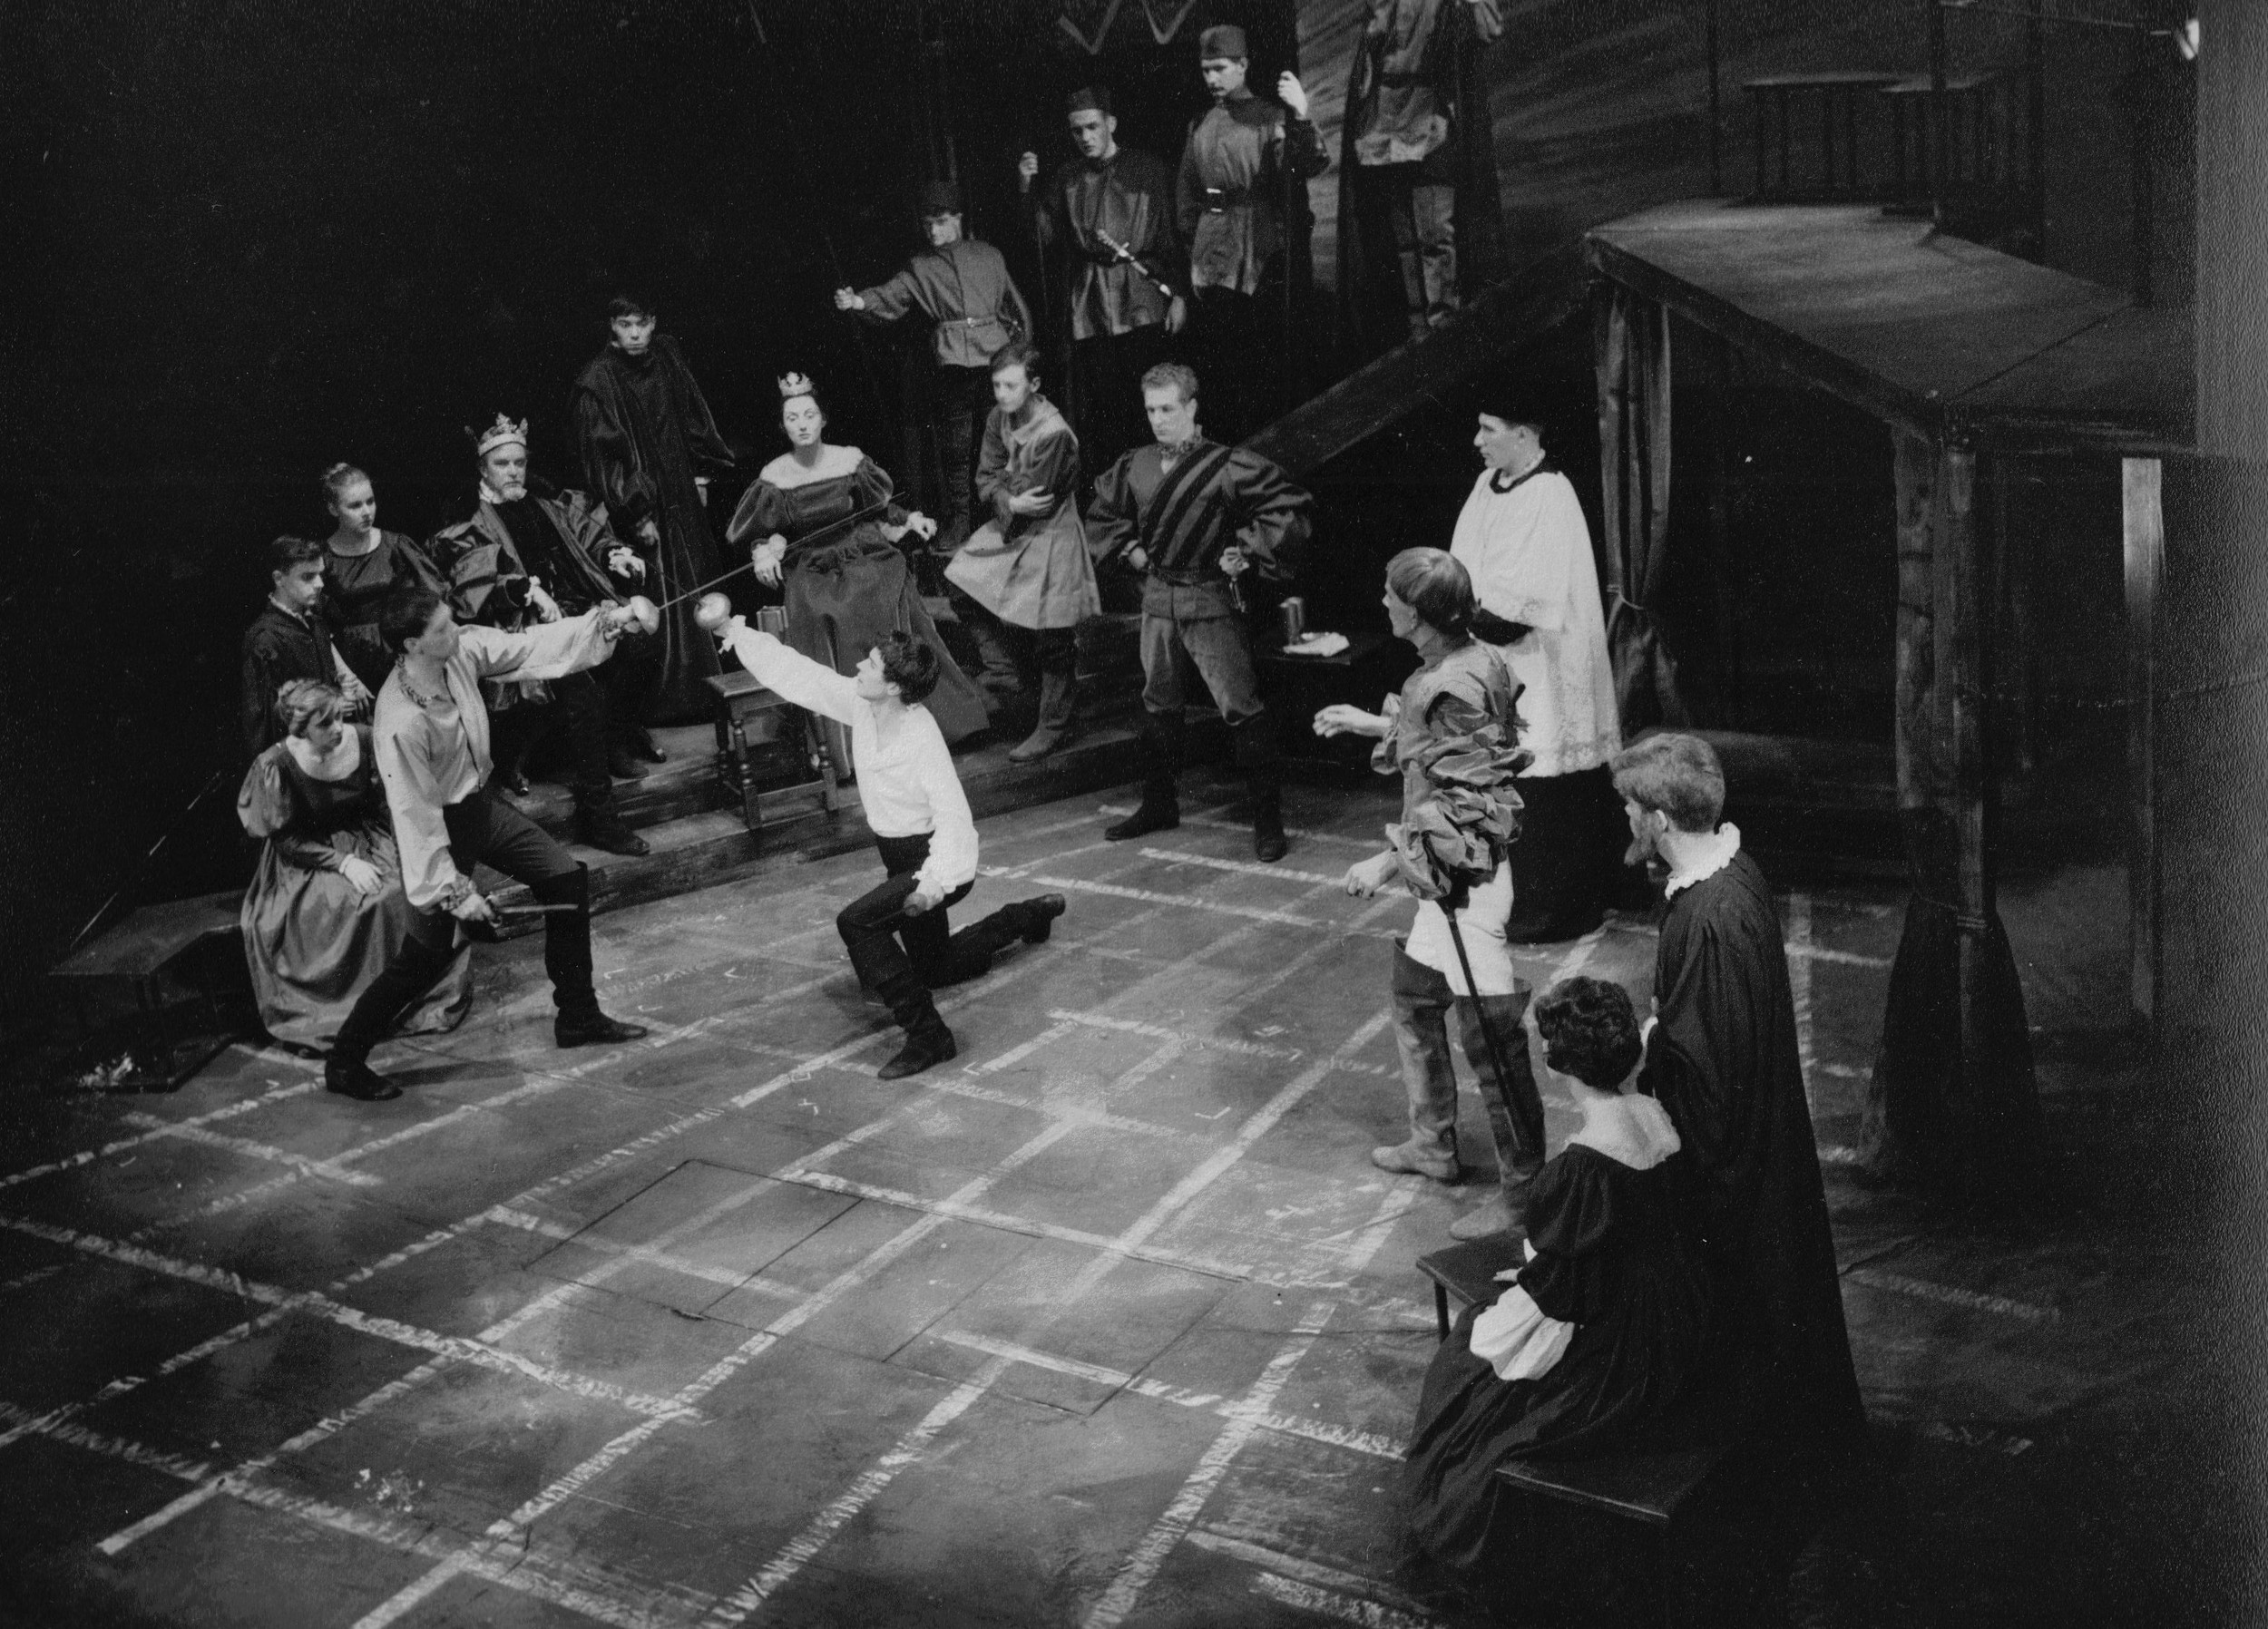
(504, 429)
(796, 384)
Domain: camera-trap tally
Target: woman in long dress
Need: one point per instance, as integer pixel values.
(1593, 1343)
(1025, 571)
(326, 910)
(361, 566)
(829, 532)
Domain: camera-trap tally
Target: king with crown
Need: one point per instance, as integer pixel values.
(529, 554)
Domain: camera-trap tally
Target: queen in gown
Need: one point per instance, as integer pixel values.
(326, 910)
(361, 566)
(1594, 1342)
(846, 583)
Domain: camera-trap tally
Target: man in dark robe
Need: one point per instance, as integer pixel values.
(1402, 149)
(1193, 516)
(1111, 213)
(1721, 1056)
(523, 559)
(289, 640)
(650, 450)
(964, 288)
(1240, 196)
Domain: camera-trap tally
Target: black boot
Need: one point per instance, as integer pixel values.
(603, 828)
(643, 745)
(1261, 758)
(928, 1042)
(1038, 913)
(1160, 809)
(404, 981)
(622, 764)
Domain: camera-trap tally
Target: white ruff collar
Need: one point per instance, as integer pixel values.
(1710, 856)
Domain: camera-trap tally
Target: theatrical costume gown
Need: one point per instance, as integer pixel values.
(355, 585)
(1029, 571)
(1722, 1061)
(645, 434)
(1591, 1347)
(1526, 545)
(847, 587)
(312, 942)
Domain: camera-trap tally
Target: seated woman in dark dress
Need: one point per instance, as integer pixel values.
(847, 584)
(361, 565)
(326, 910)
(1596, 1338)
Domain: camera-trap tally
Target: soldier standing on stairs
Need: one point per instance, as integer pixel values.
(963, 287)
(1194, 516)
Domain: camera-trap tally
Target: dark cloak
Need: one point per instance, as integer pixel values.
(644, 432)
(1722, 1061)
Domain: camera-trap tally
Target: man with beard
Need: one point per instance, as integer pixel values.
(1111, 211)
(522, 560)
(289, 640)
(964, 288)
(1721, 1056)
(1239, 170)
(650, 450)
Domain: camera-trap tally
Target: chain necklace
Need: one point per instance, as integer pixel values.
(401, 671)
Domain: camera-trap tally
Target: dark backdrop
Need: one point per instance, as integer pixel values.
(247, 238)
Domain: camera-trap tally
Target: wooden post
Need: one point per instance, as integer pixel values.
(2145, 565)
(1716, 111)
(1938, 125)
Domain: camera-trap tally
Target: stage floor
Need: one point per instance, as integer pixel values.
(1109, 1322)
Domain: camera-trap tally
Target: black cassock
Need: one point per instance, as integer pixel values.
(1722, 1061)
(645, 435)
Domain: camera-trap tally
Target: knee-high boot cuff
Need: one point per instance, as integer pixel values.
(1257, 751)
(569, 888)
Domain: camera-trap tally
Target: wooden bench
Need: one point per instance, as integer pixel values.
(747, 712)
(1631, 1498)
(170, 980)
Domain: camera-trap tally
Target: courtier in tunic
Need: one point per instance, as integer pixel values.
(1524, 539)
(1111, 198)
(1452, 737)
(313, 941)
(430, 741)
(355, 585)
(501, 564)
(1181, 511)
(1721, 1060)
(896, 934)
(1239, 197)
(848, 585)
(282, 645)
(1400, 158)
(648, 442)
(962, 287)
(1593, 1344)
(1026, 578)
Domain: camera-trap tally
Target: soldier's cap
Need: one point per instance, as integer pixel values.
(1223, 39)
(939, 197)
(1094, 98)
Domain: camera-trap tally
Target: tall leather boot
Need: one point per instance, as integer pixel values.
(1160, 809)
(1261, 758)
(412, 971)
(1058, 697)
(578, 1022)
(928, 1042)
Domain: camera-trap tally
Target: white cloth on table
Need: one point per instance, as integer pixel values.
(906, 782)
(1529, 552)
(430, 758)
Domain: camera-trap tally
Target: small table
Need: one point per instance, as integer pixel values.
(1370, 667)
(1467, 1272)
(748, 712)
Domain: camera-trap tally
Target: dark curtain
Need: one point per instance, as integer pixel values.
(1630, 346)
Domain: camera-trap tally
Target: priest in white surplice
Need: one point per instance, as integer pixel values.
(1522, 538)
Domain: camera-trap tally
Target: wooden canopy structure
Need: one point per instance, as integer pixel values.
(1966, 356)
